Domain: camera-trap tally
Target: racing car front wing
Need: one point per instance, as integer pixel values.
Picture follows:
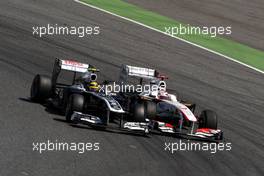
(87, 119)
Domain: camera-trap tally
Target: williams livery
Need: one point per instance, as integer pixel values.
(82, 100)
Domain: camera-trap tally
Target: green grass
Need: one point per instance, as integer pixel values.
(224, 46)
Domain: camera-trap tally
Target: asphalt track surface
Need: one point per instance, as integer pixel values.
(245, 17)
(236, 93)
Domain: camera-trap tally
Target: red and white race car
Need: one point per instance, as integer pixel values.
(173, 116)
(163, 111)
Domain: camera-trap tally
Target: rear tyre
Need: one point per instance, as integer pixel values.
(139, 112)
(40, 88)
(75, 103)
(208, 119)
(150, 109)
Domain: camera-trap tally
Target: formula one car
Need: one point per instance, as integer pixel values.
(82, 100)
(163, 111)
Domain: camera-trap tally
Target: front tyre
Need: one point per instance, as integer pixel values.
(150, 109)
(208, 119)
(40, 88)
(75, 103)
(139, 112)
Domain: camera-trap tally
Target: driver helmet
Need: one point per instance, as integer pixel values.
(93, 86)
(162, 86)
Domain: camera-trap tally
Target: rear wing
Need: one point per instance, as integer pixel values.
(136, 72)
(74, 66)
(140, 72)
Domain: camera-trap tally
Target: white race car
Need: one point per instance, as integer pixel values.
(162, 110)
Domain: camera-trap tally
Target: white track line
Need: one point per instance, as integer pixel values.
(186, 41)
